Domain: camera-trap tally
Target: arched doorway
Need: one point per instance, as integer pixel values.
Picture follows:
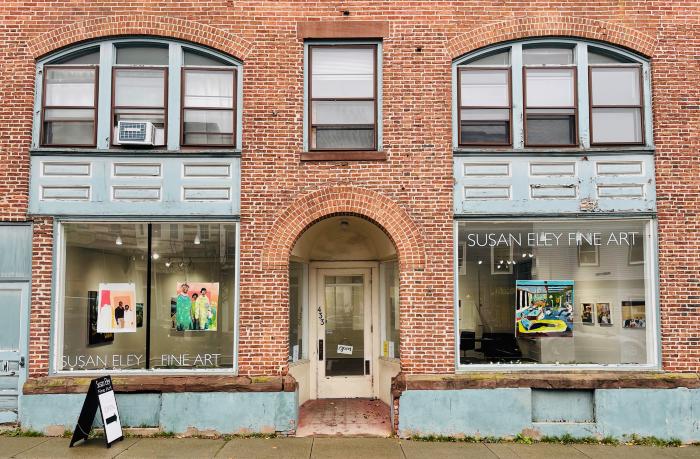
(344, 327)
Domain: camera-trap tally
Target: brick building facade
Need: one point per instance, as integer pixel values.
(407, 187)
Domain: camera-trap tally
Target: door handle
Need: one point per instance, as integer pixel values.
(21, 362)
(320, 349)
(367, 368)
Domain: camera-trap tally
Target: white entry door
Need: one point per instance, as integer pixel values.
(344, 331)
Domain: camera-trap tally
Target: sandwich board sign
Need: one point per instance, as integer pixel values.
(100, 394)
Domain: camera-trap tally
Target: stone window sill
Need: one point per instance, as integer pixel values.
(343, 156)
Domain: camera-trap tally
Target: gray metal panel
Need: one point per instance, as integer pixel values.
(16, 249)
(133, 186)
(519, 184)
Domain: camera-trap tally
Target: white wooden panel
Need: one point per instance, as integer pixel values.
(65, 169)
(206, 170)
(67, 193)
(137, 170)
(553, 191)
(559, 169)
(621, 191)
(486, 192)
(133, 193)
(206, 193)
(486, 169)
(619, 168)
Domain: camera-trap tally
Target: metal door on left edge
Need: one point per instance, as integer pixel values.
(13, 352)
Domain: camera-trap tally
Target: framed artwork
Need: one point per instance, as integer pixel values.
(604, 314)
(502, 259)
(588, 254)
(587, 313)
(95, 338)
(634, 314)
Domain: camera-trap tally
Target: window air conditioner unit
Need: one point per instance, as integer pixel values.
(136, 133)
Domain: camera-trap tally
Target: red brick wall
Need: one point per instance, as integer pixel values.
(417, 175)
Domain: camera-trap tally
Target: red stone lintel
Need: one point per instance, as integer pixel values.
(547, 380)
(343, 29)
(160, 384)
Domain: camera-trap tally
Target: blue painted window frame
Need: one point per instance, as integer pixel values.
(108, 61)
(307, 113)
(582, 92)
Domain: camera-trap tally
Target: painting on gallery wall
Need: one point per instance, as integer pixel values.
(544, 308)
(634, 314)
(117, 308)
(195, 308)
(604, 314)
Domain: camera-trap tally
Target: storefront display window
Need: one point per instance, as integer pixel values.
(555, 292)
(112, 319)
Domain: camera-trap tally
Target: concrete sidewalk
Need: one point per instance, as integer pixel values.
(346, 448)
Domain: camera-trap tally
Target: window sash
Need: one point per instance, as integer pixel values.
(140, 108)
(312, 127)
(184, 107)
(557, 110)
(592, 106)
(508, 107)
(93, 107)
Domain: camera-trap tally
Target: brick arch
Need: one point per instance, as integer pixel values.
(162, 26)
(344, 200)
(529, 27)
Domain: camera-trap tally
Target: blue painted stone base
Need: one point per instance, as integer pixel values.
(223, 412)
(506, 412)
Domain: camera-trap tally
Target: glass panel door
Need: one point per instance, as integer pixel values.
(345, 327)
(344, 333)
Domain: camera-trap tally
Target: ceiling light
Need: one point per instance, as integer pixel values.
(119, 240)
(167, 264)
(155, 256)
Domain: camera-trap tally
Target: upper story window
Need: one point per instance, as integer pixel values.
(545, 93)
(342, 97)
(138, 93)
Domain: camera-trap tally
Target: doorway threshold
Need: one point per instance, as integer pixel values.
(344, 417)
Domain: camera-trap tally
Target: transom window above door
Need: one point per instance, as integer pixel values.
(550, 94)
(138, 94)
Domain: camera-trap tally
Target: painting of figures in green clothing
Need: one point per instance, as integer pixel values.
(195, 307)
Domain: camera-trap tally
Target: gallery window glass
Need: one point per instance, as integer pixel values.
(342, 97)
(565, 293)
(106, 309)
